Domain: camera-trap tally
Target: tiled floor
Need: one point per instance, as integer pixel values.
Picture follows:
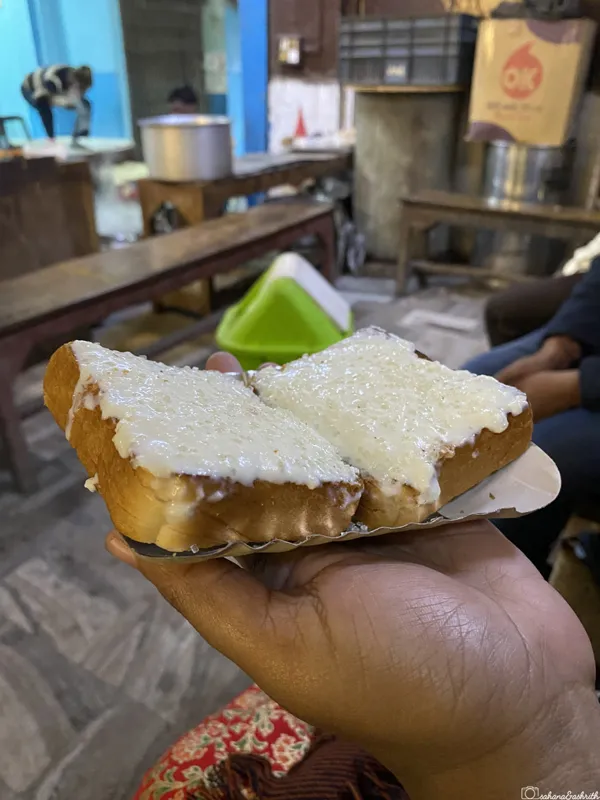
(97, 674)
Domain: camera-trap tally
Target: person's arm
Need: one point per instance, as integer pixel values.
(558, 754)
(552, 392)
(556, 353)
(571, 335)
(82, 123)
(579, 317)
(589, 382)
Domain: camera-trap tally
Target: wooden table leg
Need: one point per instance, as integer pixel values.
(404, 252)
(325, 230)
(10, 421)
(413, 244)
(194, 205)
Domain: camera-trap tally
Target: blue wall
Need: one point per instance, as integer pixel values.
(37, 32)
(48, 31)
(246, 43)
(254, 32)
(17, 56)
(235, 88)
(94, 37)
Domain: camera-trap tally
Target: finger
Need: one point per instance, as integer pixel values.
(118, 548)
(228, 606)
(223, 362)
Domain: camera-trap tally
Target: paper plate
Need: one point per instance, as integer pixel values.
(528, 484)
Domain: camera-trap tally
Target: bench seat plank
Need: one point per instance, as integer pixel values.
(83, 281)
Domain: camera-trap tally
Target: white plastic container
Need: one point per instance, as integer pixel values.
(294, 266)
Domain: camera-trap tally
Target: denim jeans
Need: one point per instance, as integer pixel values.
(571, 439)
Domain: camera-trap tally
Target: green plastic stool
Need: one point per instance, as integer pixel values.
(276, 321)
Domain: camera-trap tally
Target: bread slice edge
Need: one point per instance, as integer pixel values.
(458, 472)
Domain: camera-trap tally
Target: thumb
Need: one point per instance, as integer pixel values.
(228, 606)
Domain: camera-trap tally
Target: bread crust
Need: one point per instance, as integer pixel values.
(458, 471)
(183, 511)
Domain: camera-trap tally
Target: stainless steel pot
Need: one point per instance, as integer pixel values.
(528, 174)
(187, 147)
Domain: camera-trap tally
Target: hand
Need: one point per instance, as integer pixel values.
(551, 393)
(443, 653)
(557, 352)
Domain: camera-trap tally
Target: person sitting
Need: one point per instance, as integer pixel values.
(525, 307)
(558, 366)
(64, 86)
(183, 100)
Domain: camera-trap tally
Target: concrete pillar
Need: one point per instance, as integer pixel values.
(405, 142)
(468, 179)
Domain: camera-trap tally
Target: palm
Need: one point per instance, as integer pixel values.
(406, 624)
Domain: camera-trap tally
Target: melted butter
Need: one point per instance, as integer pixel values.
(92, 484)
(389, 412)
(185, 421)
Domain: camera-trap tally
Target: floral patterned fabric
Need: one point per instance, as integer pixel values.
(251, 724)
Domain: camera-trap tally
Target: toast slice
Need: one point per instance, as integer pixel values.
(188, 459)
(420, 433)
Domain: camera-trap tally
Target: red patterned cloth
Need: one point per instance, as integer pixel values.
(252, 724)
(254, 750)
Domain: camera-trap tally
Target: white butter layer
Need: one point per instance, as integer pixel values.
(174, 421)
(389, 412)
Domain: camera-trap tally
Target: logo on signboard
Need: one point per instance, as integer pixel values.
(522, 73)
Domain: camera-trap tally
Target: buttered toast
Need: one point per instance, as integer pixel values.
(366, 430)
(187, 459)
(421, 434)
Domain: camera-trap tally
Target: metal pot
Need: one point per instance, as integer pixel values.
(528, 174)
(187, 147)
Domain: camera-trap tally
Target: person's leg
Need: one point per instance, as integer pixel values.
(498, 358)
(522, 308)
(572, 440)
(44, 109)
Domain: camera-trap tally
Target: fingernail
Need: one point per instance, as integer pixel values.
(223, 362)
(117, 548)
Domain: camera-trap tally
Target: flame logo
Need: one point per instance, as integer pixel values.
(522, 73)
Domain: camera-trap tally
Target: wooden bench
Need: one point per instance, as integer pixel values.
(55, 301)
(421, 212)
